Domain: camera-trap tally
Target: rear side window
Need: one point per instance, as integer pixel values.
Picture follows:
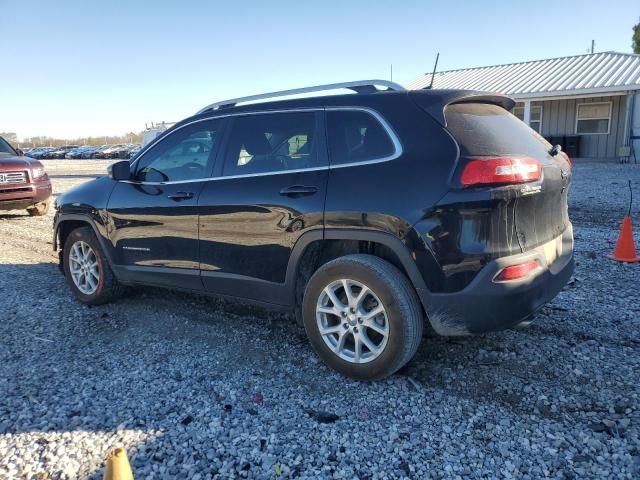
(356, 136)
(482, 129)
(271, 142)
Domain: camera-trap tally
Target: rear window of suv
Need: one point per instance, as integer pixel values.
(483, 129)
(356, 136)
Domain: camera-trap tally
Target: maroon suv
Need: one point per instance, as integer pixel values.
(23, 182)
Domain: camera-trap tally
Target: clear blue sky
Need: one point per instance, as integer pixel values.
(75, 68)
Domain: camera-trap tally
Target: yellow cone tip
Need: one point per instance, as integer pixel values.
(117, 467)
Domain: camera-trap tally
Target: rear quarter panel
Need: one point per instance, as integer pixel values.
(392, 196)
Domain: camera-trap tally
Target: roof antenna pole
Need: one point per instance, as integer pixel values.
(435, 65)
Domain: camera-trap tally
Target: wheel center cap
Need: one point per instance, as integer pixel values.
(352, 319)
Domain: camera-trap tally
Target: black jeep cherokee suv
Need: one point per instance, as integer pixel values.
(364, 213)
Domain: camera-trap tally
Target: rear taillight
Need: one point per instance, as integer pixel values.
(501, 171)
(515, 272)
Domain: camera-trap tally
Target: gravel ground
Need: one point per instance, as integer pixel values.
(197, 388)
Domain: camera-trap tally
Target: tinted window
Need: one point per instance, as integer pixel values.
(271, 142)
(484, 129)
(186, 154)
(5, 148)
(356, 137)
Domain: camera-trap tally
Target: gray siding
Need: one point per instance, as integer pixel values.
(559, 118)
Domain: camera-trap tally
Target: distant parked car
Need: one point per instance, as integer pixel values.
(101, 151)
(24, 184)
(62, 151)
(133, 151)
(75, 153)
(81, 152)
(117, 151)
(40, 152)
(88, 152)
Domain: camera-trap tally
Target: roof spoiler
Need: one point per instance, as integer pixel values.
(435, 101)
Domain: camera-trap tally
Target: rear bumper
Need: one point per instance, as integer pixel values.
(485, 305)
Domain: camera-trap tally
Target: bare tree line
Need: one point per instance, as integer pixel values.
(44, 141)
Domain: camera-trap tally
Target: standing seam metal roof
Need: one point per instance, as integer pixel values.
(591, 73)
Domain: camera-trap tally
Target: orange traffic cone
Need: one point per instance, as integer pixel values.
(625, 248)
(118, 467)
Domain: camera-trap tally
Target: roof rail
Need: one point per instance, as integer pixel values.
(361, 86)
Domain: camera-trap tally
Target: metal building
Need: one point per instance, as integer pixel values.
(590, 104)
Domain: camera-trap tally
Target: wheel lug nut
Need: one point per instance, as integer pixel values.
(355, 329)
(359, 320)
(345, 325)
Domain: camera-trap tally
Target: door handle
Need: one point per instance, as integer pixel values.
(180, 196)
(299, 190)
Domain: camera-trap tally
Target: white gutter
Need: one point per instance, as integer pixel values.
(578, 93)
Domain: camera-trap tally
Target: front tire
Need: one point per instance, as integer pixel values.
(362, 316)
(39, 209)
(86, 269)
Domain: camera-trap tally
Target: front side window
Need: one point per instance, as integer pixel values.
(186, 154)
(271, 142)
(5, 148)
(356, 136)
(593, 118)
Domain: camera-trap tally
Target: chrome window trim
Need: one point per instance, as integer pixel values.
(398, 150)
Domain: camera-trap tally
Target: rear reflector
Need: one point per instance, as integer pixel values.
(515, 272)
(501, 171)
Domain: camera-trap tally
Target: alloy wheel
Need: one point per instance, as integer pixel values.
(84, 268)
(352, 321)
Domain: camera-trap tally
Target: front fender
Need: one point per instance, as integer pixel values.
(87, 203)
(99, 229)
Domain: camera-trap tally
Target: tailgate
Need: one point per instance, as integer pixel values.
(524, 215)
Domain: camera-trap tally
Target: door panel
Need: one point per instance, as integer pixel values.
(250, 223)
(155, 237)
(248, 228)
(154, 217)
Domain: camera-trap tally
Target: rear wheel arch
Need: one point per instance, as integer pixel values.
(313, 251)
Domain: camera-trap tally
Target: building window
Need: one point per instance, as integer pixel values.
(535, 120)
(593, 118)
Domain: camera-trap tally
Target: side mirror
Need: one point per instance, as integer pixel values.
(19, 152)
(120, 170)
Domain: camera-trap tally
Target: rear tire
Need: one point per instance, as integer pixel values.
(87, 270)
(39, 209)
(362, 316)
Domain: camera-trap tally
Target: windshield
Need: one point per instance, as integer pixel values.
(5, 148)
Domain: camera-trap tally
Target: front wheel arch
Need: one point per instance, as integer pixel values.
(67, 223)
